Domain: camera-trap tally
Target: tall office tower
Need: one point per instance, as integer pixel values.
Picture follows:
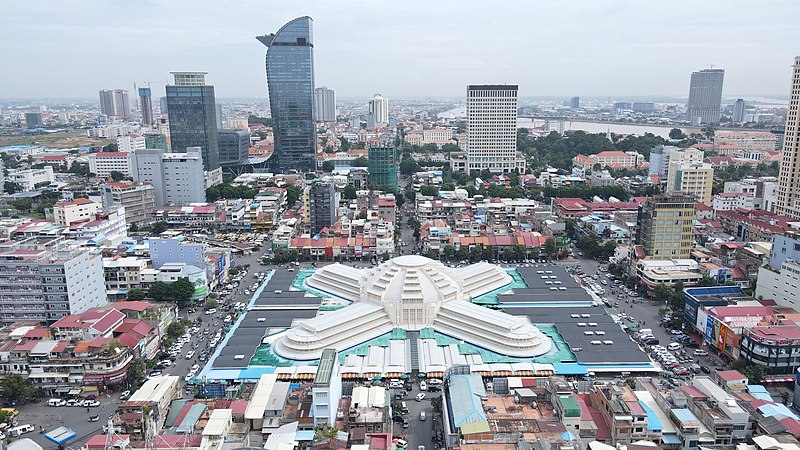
(665, 228)
(33, 119)
(193, 116)
(233, 146)
(738, 110)
(379, 108)
(575, 103)
(322, 203)
(290, 78)
(325, 104)
(220, 117)
(163, 106)
(146, 105)
(705, 96)
(492, 128)
(788, 202)
(115, 102)
(382, 166)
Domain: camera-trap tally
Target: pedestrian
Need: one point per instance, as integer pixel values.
(87, 409)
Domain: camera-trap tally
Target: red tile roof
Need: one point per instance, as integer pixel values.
(730, 375)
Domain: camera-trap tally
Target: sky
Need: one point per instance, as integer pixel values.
(413, 48)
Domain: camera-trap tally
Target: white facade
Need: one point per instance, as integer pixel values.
(103, 163)
(728, 201)
(67, 212)
(325, 104)
(111, 131)
(695, 179)
(177, 178)
(379, 108)
(28, 179)
(788, 192)
(131, 143)
(747, 141)
(783, 286)
(492, 128)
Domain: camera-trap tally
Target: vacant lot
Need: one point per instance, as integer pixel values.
(66, 139)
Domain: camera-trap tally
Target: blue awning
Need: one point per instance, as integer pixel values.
(671, 439)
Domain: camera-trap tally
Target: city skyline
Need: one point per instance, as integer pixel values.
(410, 54)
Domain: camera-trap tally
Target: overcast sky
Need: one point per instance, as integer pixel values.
(55, 48)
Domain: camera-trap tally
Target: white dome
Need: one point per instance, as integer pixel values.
(411, 292)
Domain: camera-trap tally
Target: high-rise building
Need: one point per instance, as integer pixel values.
(155, 140)
(680, 157)
(137, 198)
(146, 105)
(115, 102)
(33, 119)
(788, 202)
(705, 96)
(233, 146)
(322, 203)
(665, 228)
(738, 110)
(379, 108)
(575, 103)
(193, 116)
(290, 78)
(382, 166)
(325, 104)
(177, 178)
(694, 179)
(492, 128)
(163, 106)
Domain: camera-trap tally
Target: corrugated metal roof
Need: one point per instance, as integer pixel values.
(466, 408)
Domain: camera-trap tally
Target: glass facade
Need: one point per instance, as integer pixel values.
(382, 167)
(290, 78)
(193, 121)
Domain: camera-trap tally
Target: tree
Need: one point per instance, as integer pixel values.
(160, 291)
(676, 134)
(211, 303)
(7, 417)
(183, 289)
(662, 293)
(328, 166)
(408, 166)
(136, 372)
(429, 191)
(136, 294)
(116, 176)
(176, 329)
(292, 194)
(344, 144)
(81, 169)
(349, 192)
(706, 281)
(550, 247)
(19, 390)
(360, 162)
(449, 252)
(158, 228)
(112, 147)
(133, 228)
(10, 187)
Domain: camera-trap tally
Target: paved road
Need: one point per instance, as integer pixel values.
(419, 432)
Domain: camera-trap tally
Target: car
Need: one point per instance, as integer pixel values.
(422, 416)
(435, 382)
(676, 332)
(94, 418)
(402, 443)
(190, 354)
(71, 402)
(699, 352)
(705, 369)
(155, 373)
(124, 395)
(56, 402)
(194, 368)
(420, 396)
(91, 403)
(211, 311)
(423, 386)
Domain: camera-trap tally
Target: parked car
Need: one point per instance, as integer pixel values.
(420, 396)
(94, 418)
(91, 403)
(124, 395)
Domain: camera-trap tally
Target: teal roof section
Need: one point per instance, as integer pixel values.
(465, 396)
(191, 418)
(570, 405)
(653, 424)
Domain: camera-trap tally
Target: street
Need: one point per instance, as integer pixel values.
(419, 432)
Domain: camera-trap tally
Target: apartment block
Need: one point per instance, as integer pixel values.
(612, 159)
(131, 143)
(31, 179)
(665, 228)
(177, 178)
(782, 285)
(67, 212)
(103, 163)
(138, 199)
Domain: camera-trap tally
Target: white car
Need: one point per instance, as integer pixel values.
(420, 396)
(211, 311)
(699, 352)
(190, 354)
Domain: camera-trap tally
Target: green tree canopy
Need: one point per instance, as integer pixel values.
(136, 294)
(176, 329)
(228, 191)
(18, 389)
(349, 192)
(328, 166)
(116, 176)
(360, 162)
(292, 194)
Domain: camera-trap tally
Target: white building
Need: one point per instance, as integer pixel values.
(177, 178)
(438, 136)
(747, 141)
(762, 189)
(492, 128)
(103, 163)
(66, 212)
(111, 131)
(30, 178)
(131, 143)
(325, 104)
(783, 286)
(379, 108)
(691, 178)
(137, 199)
(327, 389)
(728, 201)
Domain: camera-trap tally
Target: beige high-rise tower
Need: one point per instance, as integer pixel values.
(788, 198)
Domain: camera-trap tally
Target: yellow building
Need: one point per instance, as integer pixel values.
(665, 228)
(694, 179)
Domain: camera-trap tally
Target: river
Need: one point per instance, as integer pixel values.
(603, 127)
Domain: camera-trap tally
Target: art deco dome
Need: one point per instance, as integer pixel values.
(411, 292)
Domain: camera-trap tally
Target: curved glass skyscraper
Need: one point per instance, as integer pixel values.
(290, 78)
